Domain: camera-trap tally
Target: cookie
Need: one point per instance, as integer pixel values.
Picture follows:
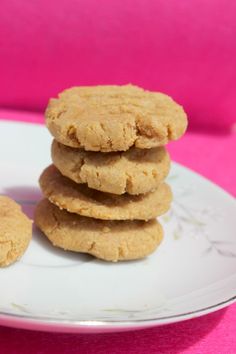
(134, 171)
(78, 198)
(107, 240)
(114, 118)
(15, 231)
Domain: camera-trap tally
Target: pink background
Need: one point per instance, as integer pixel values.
(184, 48)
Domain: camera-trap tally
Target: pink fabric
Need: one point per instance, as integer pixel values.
(184, 48)
(212, 334)
(214, 157)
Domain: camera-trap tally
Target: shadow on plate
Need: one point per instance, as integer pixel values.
(60, 257)
(28, 197)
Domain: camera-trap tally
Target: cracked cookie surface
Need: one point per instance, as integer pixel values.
(78, 198)
(114, 118)
(135, 171)
(15, 231)
(107, 240)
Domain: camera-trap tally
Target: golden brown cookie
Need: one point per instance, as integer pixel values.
(15, 231)
(114, 118)
(108, 240)
(78, 198)
(134, 171)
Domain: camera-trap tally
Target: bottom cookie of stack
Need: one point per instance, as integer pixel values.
(108, 240)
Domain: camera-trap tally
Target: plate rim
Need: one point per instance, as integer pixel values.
(90, 326)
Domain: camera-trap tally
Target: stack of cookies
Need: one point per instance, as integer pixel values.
(106, 185)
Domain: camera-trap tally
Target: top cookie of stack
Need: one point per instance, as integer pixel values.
(114, 118)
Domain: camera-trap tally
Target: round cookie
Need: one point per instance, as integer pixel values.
(135, 171)
(79, 199)
(107, 240)
(114, 118)
(15, 231)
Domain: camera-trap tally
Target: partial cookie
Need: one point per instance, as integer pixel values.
(78, 198)
(15, 231)
(134, 171)
(108, 240)
(114, 118)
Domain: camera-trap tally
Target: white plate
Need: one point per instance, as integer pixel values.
(192, 273)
